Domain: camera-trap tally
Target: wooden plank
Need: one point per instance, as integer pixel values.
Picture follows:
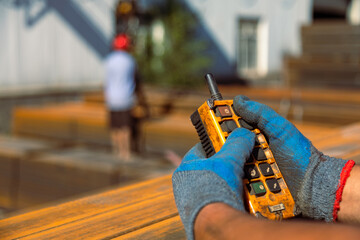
(192, 99)
(332, 49)
(12, 151)
(340, 143)
(171, 228)
(114, 223)
(8, 182)
(42, 122)
(315, 132)
(321, 75)
(355, 155)
(174, 132)
(330, 28)
(65, 173)
(70, 172)
(134, 220)
(70, 212)
(335, 114)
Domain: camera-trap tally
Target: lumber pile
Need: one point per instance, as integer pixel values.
(145, 210)
(70, 172)
(13, 153)
(330, 58)
(67, 122)
(35, 172)
(107, 215)
(86, 122)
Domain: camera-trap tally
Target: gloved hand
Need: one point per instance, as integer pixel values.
(315, 180)
(199, 181)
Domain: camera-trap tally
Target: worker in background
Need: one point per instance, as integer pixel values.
(122, 93)
(209, 192)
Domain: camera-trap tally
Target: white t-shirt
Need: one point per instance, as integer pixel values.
(120, 81)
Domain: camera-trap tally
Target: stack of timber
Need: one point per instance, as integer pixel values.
(35, 172)
(145, 210)
(70, 172)
(169, 127)
(67, 122)
(15, 152)
(326, 106)
(331, 57)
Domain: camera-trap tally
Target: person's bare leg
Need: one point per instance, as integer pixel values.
(124, 143)
(114, 141)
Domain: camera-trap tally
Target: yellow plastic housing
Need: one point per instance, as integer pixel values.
(271, 205)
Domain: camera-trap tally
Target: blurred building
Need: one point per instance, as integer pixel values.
(252, 36)
(51, 44)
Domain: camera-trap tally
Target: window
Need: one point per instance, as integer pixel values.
(247, 46)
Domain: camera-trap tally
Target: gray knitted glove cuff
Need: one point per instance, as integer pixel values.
(316, 197)
(208, 188)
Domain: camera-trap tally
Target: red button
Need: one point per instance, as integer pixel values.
(223, 111)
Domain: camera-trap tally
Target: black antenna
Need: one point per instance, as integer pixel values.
(214, 91)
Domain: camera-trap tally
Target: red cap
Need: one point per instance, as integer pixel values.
(121, 42)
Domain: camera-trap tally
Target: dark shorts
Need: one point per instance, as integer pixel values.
(119, 119)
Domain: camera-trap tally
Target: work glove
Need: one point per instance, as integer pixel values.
(199, 181)
(315, 180)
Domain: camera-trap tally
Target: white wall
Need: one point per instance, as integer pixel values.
(280, 22)
(50, 54)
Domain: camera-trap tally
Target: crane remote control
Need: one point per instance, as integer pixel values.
(266, 192)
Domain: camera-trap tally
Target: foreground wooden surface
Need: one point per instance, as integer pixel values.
(125, 213)
(146, 210)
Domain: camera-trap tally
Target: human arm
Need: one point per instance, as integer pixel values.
(220, 221)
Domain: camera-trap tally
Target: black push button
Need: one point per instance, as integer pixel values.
(223, 111)
(228, 126)
(259, 154)
(246, 125)
(266, 169)
(273, 185)
(251, 172)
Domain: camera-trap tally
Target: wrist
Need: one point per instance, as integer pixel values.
(214, 220)
(345, 173)
(193, 190)
(321, 188)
